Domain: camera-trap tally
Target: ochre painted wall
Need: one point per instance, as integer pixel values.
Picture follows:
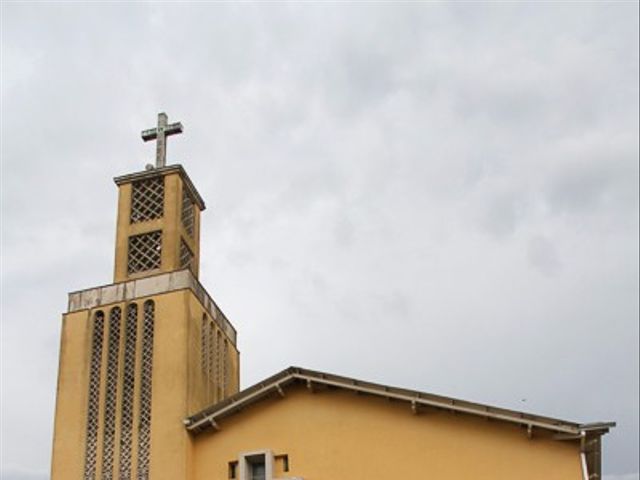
(201, 392)
(176, 386)
(176, 371)
(71, 400)
(339, 435)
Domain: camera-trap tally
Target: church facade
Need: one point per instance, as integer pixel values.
(149, 387)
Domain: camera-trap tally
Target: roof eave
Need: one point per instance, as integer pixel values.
(275, 384)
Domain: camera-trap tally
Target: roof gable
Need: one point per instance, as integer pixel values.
(278, 383)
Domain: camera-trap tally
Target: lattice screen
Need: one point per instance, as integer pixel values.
(110, 400)
(186, 257)
(147, 199)
(219, 366)
(204, 354)
(225, 380)
(187, 212)
(93, 404)
(145, 252)
(128, 385)
(144, 429)
(212, 359)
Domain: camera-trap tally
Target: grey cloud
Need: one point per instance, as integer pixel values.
(344, 231)
(543, 256)
(502, 214)
(586, 184)
(579, 188)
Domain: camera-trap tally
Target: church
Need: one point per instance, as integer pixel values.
(149, 383)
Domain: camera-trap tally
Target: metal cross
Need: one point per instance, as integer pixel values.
(161, 132)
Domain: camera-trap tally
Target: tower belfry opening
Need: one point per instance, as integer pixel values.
(138, 355)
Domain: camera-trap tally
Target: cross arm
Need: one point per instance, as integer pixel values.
(173, 128)
(150, 134)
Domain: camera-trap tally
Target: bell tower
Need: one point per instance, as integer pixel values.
(139, 355)
(158, 215)
(158, 223)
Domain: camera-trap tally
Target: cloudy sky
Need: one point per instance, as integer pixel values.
(437, 196)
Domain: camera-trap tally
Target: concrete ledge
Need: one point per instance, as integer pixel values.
(147, 286)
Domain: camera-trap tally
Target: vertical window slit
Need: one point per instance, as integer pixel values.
(212, 357)
(219, 361)
(205, 355)
(187, 212)
(144, 428)
(128, 385)
(225, 387)
(204, 361)
(233, 466)
(93, 403)
(110, 400)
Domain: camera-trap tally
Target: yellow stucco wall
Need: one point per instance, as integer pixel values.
(200, 391)
(176, 385)
(71, 399)
(338, 435)
(177, 381)
(169, 444)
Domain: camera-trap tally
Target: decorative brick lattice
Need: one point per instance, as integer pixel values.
(110, 399)
(146, 370)
(188, 216)
(219, 361)
(186, 257)
(128, 385)
(204, 347)
(225, 381)
(212, 359)
(145, 252)
(147, 199)
(93, 404)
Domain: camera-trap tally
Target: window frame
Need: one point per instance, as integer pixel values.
(246, 459)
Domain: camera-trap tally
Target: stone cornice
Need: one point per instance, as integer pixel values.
(148, 286)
